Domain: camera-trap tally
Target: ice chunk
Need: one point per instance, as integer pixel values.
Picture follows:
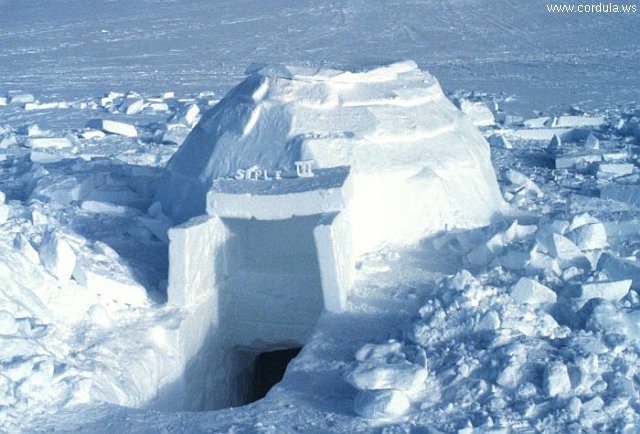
(113, 127)
(612, 290)
(381, 404)
(22, 244)
(48, 143)
(539, 122)
(132, 106)
(168, 95)
(523, 182)
(592, 142)
(22, 98)
(375, 376)
(34, 131)
(478, 113)
(582, 158)
(614, 170)
(554, 144)
(541, 134)
(100, 207)
(530, 291)
(91, 134)
(563, 249)
(556, 381)
(57, 256)
(618, 268)
(579, 121)
(589, 237)
(176, 133)
(187, 115)
(3, 101)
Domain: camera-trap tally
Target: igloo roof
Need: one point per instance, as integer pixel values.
(389, 120)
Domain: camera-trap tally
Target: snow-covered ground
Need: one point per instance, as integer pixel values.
(528, 324)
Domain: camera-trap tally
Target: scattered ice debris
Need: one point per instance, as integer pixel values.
(387, 375)
(500, 141)
(57, 256)
(530, 291)
(113, 127)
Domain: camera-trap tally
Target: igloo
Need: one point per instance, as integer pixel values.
(290, 177)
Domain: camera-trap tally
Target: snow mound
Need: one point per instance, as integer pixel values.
(412, 153)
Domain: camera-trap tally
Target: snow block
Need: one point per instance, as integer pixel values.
(194, 277)
(530, 291)
(376, 376)
(336, 259)
(57, 256)
(113, 127)
(381, 404)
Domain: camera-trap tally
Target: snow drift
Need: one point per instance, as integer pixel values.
(410, 150)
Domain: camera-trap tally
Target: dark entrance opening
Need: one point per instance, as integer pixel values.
(268, 370)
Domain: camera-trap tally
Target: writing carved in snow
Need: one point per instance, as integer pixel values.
(304, 169)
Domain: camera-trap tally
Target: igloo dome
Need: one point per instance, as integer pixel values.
(417, 164)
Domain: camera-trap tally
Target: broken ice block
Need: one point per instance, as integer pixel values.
(113, 127)
(530, 291)
(57, 256)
